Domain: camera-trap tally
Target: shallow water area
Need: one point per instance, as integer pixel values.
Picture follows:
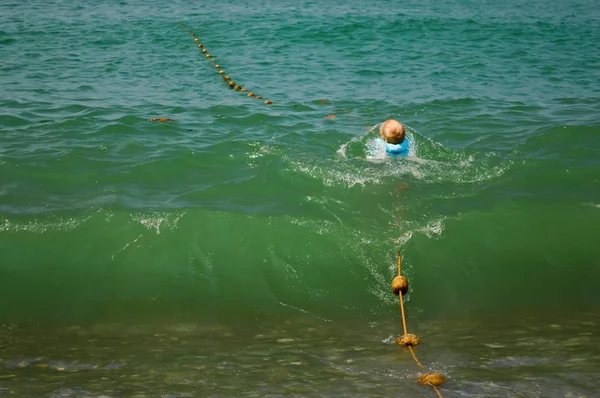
(531, 354)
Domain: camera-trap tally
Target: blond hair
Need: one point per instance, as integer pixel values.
(392, 131)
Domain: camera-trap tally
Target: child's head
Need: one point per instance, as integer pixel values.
(392, 131)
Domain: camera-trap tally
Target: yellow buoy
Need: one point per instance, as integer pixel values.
(431, 379)
(399, 284)
(408, 340)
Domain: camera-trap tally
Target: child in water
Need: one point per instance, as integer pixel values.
(394, 135)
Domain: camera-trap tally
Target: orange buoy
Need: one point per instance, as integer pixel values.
(431, 379)
(161, 119)
(399, 284)
(408, 340)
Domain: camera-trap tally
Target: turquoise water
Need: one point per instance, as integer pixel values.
(245, 215)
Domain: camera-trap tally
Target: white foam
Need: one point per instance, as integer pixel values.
(58, 224)
(596, 205)
(155, 220)
(434, 228)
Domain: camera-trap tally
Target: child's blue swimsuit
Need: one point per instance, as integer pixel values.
(400, 149)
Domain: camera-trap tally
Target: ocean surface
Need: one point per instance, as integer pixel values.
(246, 250)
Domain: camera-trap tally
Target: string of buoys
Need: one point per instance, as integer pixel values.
(230, 82)
(408, 340)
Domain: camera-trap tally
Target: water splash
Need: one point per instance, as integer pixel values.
(155, 220)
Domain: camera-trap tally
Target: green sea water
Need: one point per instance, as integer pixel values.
(247, 249)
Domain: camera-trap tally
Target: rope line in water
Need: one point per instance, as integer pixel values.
(415, 356)
(232, 84)
(408, 340)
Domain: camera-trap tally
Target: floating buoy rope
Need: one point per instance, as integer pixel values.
(408, 340)
(232, 84)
